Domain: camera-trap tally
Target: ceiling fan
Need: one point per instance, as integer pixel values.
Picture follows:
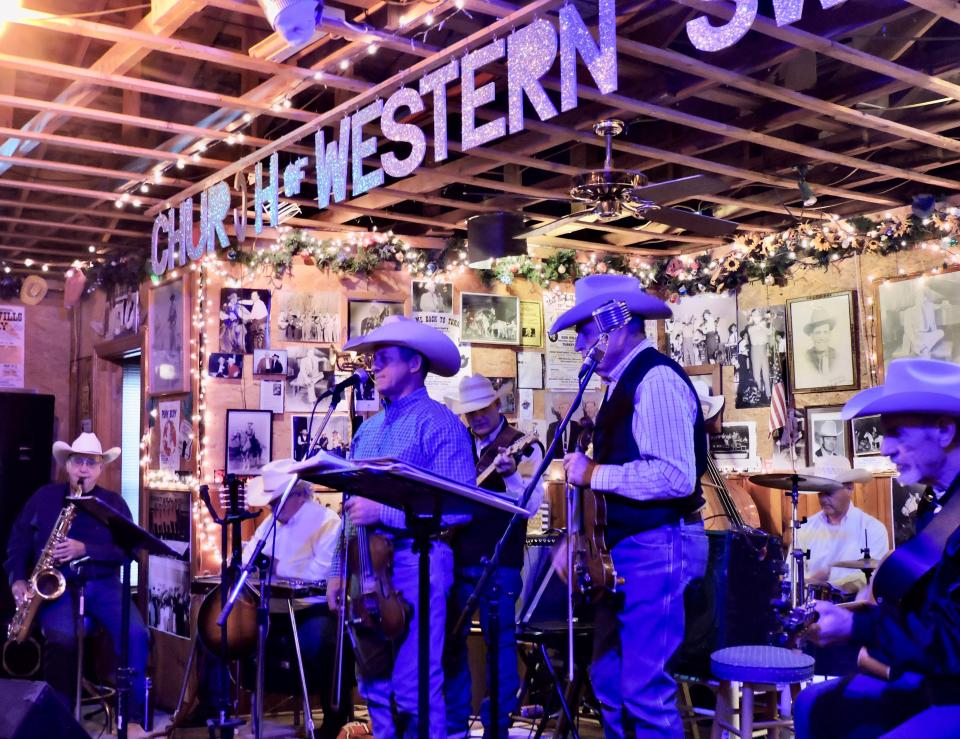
(615, 193)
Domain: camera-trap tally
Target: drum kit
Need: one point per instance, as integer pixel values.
(796, 484)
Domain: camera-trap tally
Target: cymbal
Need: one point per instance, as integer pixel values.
(858, 564)
(805, 483)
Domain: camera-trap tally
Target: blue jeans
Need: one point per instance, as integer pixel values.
(633, 642)
(501, 646)
(392, 698)
(857, 706)
(58, 623)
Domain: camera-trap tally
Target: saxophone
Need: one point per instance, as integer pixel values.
(46, 582)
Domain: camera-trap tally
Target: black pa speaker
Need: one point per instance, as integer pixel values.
(31, 710)
(732, 604)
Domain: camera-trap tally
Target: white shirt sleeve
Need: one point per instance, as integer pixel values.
(516, 483)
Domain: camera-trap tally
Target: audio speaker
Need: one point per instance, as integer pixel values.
(32, 710)
(732, 604)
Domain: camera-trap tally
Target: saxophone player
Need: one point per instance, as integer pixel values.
(87, 539)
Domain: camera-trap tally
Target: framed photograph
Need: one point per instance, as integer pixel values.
(757, 351)
(828, 433)
(123, 318)
(169, 327)
(906, 500)
(363, 316)
(336, 436)
(737, 442)
(919, 317)
(489, 319)
(700, 328)
(508, 400)
(168, 602)
(310, 371)
(244, 320)
(271, 396)
(429, 296)
(308, 316)
(226, 366)
(169, 518)
(269, 362)
(249, 441)
(866, 436)
(821, 338)
(708, 376)
(531, 323)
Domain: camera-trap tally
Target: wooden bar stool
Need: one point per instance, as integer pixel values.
(760, 670)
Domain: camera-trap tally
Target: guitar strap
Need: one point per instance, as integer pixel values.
(911, 561)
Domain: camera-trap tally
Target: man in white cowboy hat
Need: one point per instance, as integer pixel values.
(417, 430)
(83, 461)
(840, 530)
(827, 435)
(918, 638)
(478, 401)
(649, 452)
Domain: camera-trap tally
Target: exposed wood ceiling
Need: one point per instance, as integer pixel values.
(109, 95)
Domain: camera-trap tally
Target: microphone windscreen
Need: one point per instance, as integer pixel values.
(611, 316)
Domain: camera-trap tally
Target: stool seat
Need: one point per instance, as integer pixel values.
(761, 664)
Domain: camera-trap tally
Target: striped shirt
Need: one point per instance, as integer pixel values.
(664, 414)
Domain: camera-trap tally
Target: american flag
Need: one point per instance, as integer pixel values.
(778, 408)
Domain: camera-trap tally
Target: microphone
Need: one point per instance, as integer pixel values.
(358, 378)
(609, 317)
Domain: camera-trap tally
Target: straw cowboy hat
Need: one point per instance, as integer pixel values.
(711, 404)
(271, 483)
(596, 291)
(87, 444)
(473, 394)
(924, 386)
(829, 428)
(818, 317)
(838, 469)
(33, 290)
(443, 357)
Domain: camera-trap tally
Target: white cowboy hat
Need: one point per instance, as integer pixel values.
(817, 318)
(924, 386)
(829, 428)
(84, 444)
(838, 469)
(473, 393)
(270, 484)
(597, 290)
(443, 357)
(711, 404)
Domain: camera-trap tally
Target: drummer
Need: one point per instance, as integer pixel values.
(840, 531)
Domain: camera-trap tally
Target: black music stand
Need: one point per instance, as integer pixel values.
(129, 537)
(424, 498)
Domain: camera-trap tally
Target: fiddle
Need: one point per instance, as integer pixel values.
(372, 600)
(593, 568)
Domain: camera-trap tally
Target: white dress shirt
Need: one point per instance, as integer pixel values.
(516, 481)
(665, 410)
(828, 543)
(305, 544)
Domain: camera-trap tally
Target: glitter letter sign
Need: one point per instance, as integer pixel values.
(708, 37)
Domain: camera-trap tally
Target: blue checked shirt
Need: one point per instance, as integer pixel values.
(421, 432)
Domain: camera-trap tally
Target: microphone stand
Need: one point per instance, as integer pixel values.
(586, 374)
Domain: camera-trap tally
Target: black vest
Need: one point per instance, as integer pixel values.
(613, 443)
(480, 537)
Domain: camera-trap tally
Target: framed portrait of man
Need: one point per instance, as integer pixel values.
(822, 344)
(829, 433)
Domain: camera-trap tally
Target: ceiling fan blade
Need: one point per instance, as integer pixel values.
(705, 225)
(685, 187)
(553, 225)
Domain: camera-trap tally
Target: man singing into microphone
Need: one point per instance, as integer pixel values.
(649, 451)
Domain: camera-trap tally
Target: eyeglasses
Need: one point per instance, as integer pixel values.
(84, 461)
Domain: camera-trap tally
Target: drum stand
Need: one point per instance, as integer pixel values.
(798, 591)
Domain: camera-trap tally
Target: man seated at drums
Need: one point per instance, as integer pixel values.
(840, 531)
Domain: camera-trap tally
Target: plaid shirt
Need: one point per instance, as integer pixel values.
(421, 432)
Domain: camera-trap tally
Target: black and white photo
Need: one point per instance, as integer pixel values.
(757, 350)
(506, 387)
(225, 366)
(168, 601)
(168, 325)
(123, 318)
(269, 361)
(866, 436)
(430, 296)
(828, 433)
(249, 441)
(906, 500)
(310, 372)
(271, 396)
(489, 319)
(919, 318)
(363, 316)
(308, 316)
(244, 320)
(821, 333)
(737, 441)
(698, 332)
(170, 518)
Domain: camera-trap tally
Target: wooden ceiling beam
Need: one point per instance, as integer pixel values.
(72, 191)
(82, 246)
(86, 171)
(73, 227)
(113, 213)
(943, 8)
(34, 250)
